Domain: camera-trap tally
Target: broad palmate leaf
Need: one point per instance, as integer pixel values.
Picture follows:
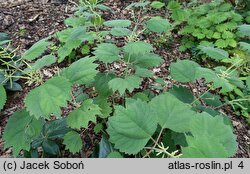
(131, 128)
(158, 24)
(51, 131)
(146, 60)
(211, 138)
(20, 131)
(183, 94)
(101, 83)
(212, 76)
(49, 98)
(184, 70)
(104, 105)
(73, 39)
(138, 47)
(172, 113)
(73, 141)
(129, 83)
(82, 71)
(107, 52)
(203, 147)
(83, 115)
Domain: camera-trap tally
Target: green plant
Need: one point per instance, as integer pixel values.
(229, 80)
(157, 4)
(237, 73)
(9, 64)
(128, 117)
(133, 120)
(12, 69)
(214, 26)
(21, 32)
(210, 24)
(83, 31)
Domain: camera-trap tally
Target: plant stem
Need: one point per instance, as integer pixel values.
(19, 77)
(155, 144)
(201, 96)
(16, 68)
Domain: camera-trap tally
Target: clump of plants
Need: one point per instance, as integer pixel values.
(209, 24)
(234, 66)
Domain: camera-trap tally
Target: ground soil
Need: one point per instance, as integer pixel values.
(28, 21)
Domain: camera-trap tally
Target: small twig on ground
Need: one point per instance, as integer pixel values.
(72, 2)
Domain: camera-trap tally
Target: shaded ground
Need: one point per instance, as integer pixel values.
(28, 21)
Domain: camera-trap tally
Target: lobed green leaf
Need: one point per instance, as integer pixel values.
(147, 60)
(199, 145)
(48, 98)
(20, 131)
(83, 115)
(129, 83)
(101, 84)
(73, 141)
(82, 71)
(158, 24)
(138, 47)
(107, 52)
(131, 128)
(184, 70)
(172, 113)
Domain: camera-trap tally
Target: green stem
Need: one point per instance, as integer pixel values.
(233, 101)
(12, 66)
(201, 96)
(20, 77)
(127, 66)
(155, 144)
(228, 71)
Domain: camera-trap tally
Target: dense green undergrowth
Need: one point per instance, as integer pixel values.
(105, 84)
